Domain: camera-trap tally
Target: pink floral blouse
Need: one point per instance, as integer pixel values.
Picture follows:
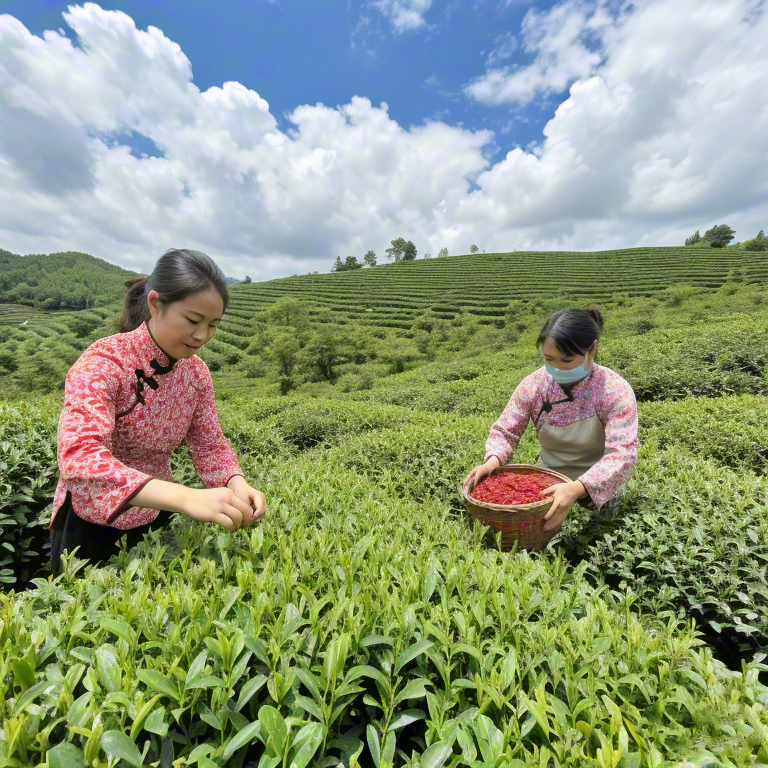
(603, 394)
(126, 408)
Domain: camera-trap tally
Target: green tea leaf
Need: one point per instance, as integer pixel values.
(158, 682)
(373, 745)
(411, 653)
(406, 718)
(436, 755)
(155, 723)
(196, 668)
(540, 714)
(414, 689)
(275, 728)
(108, 669)
(141, 716)
(388, 752)
(249, 734)
(65, 756)
(365, 670)
(249, 689)
(119, 628)
(205, 681)
(310, 706)
(304, 746)
(117, 744)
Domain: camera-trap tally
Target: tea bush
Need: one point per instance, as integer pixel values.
(717, 359)
(368, 620)
(688, 534)
(28, 475)
(326, 637)
(730, 430)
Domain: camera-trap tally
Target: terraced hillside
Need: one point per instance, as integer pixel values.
(484, 284)
(15, 314)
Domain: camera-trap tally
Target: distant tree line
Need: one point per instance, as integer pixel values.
(399, 250)
(721, 235)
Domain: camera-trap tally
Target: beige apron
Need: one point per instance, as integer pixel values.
(574, 449)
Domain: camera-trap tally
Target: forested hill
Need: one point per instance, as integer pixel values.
(60, 280)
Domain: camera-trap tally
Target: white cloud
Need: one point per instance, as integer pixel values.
(229, 182)
(666, 133)
(565, 41)
(405, 15)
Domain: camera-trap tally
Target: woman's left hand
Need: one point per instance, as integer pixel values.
(564, 496)
(256, 500)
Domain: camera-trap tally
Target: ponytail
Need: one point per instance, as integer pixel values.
(135, 308)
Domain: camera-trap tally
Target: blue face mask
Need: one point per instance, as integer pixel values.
(567, 377)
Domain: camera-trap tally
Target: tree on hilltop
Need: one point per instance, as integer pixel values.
(719, 236)
(370, 258)
(397, 249)
(401, 250)
(349, 263)
(759, 243)
(693, 239)
(443, 252)
(473, 249)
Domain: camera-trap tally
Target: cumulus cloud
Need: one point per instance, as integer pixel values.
(405, 15)
(665, 132)
(668, 132)
(228, 181)
(565, 42)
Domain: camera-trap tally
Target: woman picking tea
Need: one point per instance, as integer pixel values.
(585, 417)
(129, 401)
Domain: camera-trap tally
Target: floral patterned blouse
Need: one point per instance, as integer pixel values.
(603, 393)
(127, 406)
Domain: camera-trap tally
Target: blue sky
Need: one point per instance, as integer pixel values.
(255, 130)
(296, 52)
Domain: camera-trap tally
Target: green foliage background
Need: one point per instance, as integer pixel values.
(368, 620)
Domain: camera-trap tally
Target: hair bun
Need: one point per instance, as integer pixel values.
(596, 315)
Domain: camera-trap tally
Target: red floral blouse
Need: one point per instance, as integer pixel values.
(127, 406)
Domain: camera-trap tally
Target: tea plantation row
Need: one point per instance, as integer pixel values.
(368, 620)
(367, 616)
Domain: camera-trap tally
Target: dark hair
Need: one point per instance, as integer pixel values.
(178, 273)
(573, 330)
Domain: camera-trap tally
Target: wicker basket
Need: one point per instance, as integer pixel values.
(521, 523)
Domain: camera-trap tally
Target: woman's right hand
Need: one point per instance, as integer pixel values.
(481, 471)
(216, 505)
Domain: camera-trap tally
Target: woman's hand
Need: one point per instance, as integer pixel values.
(481, 471)
(256, 500)
(216, 505)
(564, 496)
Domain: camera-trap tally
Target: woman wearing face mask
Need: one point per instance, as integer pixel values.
(129, 401)
(585, 416)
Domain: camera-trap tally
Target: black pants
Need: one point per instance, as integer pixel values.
(97, 543)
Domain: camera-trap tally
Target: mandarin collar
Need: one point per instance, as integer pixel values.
(154, 350)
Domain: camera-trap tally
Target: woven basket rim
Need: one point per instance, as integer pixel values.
(514, 508)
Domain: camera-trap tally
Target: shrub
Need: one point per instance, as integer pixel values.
(690, 535)
(28, 476)
(729, 430)
(333, 635)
